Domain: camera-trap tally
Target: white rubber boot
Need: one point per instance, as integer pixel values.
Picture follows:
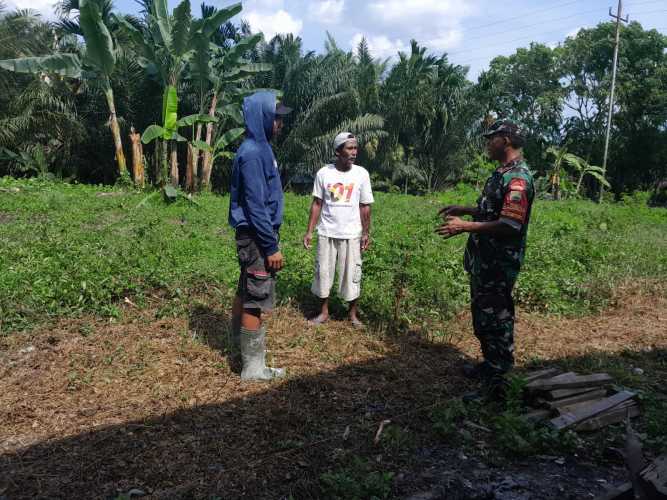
(253, 352)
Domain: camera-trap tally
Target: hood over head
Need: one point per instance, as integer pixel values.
(259, 111)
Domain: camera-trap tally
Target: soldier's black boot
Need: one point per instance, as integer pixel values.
(475, 371)
(493, 389)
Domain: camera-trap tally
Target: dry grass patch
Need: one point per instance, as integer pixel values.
(98, 407)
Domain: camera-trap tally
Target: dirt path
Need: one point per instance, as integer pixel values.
(89, 408)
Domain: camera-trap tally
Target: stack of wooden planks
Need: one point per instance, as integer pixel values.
(580, 402)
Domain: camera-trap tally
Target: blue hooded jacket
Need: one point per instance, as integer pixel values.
(256, 198)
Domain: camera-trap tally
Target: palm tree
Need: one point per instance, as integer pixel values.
(422, 99)
(369, 78)
(323, 91)
(97, 63)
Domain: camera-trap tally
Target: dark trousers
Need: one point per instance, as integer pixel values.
(493, 317)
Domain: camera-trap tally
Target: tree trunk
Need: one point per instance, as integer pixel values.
(207, 166)
(173, 173)
(192, 171)
(190, 176)
(164, 164)
(137, 159)
(115, 131)
(581, 178)
(157, 162)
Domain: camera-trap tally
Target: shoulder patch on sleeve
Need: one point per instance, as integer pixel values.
(518, 184)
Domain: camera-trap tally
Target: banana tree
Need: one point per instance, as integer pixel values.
(169, 131)
(583, 168)
(166, 44)
(218, 72)
(95, 63)
(218, 150)
(561, 157)
(230, 72)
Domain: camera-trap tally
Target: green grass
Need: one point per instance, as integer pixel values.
(66, 251)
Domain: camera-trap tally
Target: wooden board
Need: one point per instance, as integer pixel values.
(572, 381)
(572, 418)
(583, 404)
(549, 372)
(557, 377)
(609, 417)
(536, 416)
(584, 396)
(654, 477)
(566, 393)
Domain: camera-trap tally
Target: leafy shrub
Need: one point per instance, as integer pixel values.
(358, 481)
(447, 417)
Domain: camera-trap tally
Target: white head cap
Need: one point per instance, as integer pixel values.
(341, 139)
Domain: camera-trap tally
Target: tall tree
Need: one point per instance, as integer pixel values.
(97, 62)
(637, 149)
(526, 87)
(323, 91)
(422, 100)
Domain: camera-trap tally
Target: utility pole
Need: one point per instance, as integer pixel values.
(619, 19)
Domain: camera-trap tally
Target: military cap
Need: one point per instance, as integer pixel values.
(504, 127)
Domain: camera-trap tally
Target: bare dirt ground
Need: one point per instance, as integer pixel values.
(91, 408)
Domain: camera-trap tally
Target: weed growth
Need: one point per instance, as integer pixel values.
(358, 481)
(69, 249)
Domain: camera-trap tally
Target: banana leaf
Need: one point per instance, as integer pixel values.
(170, 109)
(181, 28)
(151, 133)
(99, 44)
(220, 17)
(68, 65)
(188, 121)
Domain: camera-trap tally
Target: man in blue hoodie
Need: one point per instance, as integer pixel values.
(256, 213)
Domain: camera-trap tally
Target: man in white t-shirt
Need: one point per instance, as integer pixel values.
(342, 198)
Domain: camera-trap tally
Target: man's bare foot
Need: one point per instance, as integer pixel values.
(319, 319)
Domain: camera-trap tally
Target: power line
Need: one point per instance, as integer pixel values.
(488, 35)
(634, 4)
(648, 12)
(508, 42)
(522, 16)
(525, 37)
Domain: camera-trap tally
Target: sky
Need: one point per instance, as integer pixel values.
(472, 32)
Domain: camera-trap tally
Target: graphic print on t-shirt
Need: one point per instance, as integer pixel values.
(340, 192)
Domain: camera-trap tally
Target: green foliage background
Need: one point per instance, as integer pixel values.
(65, 250)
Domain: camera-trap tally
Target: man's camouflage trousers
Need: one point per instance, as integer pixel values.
(493, 316)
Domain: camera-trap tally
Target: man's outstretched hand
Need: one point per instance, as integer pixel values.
(451, 227)
(275, 261)
(453, 210)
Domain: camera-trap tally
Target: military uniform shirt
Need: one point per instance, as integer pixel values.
(507, 196)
